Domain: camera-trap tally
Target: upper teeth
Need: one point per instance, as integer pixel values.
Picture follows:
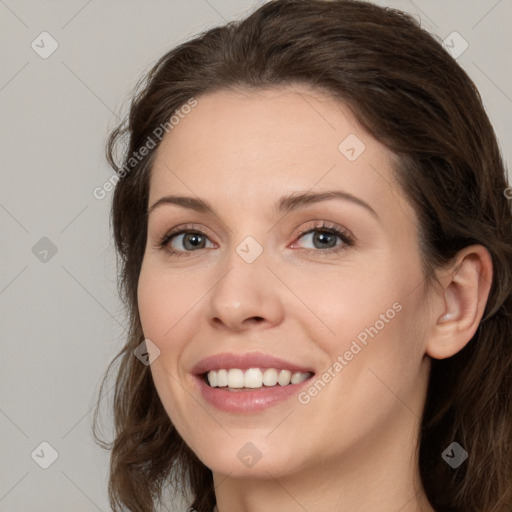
(254, 377)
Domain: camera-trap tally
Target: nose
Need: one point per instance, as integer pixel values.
(246, 296)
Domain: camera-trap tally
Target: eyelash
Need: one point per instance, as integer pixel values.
(324, 227)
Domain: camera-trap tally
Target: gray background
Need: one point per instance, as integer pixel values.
(61, 320)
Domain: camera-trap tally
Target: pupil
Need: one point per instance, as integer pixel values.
(194, 239)
(322, 236)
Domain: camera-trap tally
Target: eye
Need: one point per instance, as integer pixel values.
(183, 241)
(324, 235)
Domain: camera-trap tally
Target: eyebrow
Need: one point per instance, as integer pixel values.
(284, 204)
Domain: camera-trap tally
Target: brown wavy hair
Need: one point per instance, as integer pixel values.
(413, 97)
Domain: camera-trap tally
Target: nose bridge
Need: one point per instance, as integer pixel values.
(249, 246)
(246, 289)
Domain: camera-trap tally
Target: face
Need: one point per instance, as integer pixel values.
(252, 281)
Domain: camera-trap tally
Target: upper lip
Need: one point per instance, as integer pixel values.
(245, 361)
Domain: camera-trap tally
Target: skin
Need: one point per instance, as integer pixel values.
(352, 447)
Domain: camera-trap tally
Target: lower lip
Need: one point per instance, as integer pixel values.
(248, 401)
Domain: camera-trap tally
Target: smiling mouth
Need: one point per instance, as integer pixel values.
(236, 379)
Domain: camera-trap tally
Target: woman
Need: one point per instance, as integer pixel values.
(316, 255)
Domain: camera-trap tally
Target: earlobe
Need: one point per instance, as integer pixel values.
(462, 301)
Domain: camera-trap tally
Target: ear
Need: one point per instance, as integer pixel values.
(465, 287)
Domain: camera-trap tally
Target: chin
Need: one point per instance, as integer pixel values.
(241, 457)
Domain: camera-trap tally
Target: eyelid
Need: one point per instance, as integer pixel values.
(346, 237)
(164, 239)
(321, 225)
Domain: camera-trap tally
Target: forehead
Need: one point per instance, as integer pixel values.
(244, 148)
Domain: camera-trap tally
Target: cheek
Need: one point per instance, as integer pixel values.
(163, 307)
(349, 304)
(163, 302)
(372, 318)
